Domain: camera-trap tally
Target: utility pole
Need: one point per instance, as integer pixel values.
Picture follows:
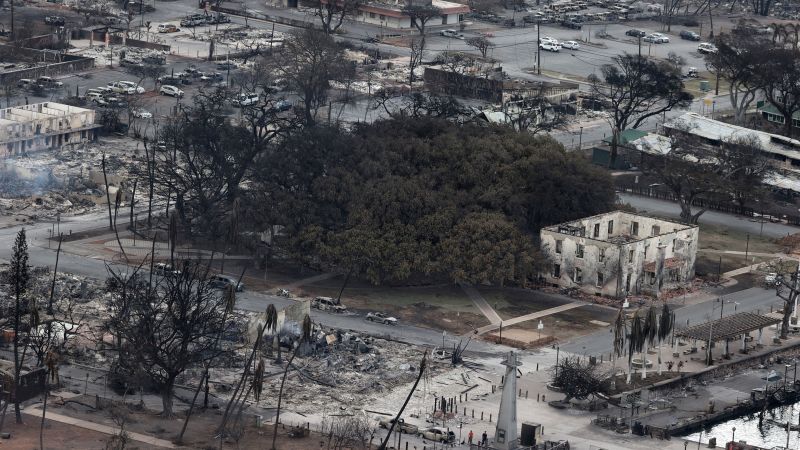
(747, 248)
(538, 47)
(716, 88)
(13, 35)
(640, 46)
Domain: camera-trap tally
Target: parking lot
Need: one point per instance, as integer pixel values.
(516, 50)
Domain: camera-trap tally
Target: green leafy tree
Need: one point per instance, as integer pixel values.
(488, 247)
(19, 278)
(308, 61)
(421, 196)
(777, 75)
(636, 88)
(738, 61)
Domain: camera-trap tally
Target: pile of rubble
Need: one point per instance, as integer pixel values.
(103, 54)
(343, 367)
(64, 181)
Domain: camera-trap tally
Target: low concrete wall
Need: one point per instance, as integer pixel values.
(277, 19)
(78, 65)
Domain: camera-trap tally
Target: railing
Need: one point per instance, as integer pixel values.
(730, 208)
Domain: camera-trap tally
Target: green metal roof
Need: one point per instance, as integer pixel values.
(627, 136)
(771, 109)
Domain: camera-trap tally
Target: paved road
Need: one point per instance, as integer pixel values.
(739, 223)
(749, 300)
(40, 255)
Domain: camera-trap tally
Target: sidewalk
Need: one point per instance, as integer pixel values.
(481, 303)
(109, 430)
(531, 316)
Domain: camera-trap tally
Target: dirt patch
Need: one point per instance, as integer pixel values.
(26, 435)
(424, 315)
(200, 434)
(708, 264)
(437, 307)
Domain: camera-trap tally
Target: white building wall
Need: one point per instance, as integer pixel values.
(42, 126)
(608, 268)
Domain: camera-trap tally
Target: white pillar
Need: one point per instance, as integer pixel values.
(505, 436)
(760, 333)
(744, 342)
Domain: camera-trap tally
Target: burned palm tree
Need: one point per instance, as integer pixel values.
(636, 340)
(619, 336)
(271, 324)
(666, 322)
(230, 302)
(650, 334)
(305, 336)
(422, 366)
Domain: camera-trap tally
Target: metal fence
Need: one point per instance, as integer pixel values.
(765, 215)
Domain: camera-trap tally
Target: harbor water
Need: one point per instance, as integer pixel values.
(767, 430)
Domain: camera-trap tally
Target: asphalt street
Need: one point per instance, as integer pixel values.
(711, 217)
(41, 255)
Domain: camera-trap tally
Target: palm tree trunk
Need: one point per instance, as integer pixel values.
(630, 370)
(644, 361)
(659, 356)
(408, 398)
(191, 407)
(44, 412)
(280, 397)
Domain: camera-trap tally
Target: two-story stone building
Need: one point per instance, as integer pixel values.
(43, 126)
(618, 254)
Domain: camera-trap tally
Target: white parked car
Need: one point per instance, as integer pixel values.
(652, 38)
(246, 99)
(662, 38)
(49, 82)
(140, 113)
(451, 34)
(96, 97)
(381, 318)
(572, 45)
(172, 91)
(707, 47)
(438, 434)
(136, 88)
(549, 46)
(118, 88)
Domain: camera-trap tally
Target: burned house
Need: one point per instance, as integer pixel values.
(31, 382)
(619, 253)
(42, 126)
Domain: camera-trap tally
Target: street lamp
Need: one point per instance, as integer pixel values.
(733, 434)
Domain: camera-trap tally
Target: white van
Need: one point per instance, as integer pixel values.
(246, 99)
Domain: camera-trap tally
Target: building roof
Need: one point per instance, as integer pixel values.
(782, 182)
(728, 327)
(577, 227)
(769, 108)
(627, 136)
(394, 9)
(714, 130)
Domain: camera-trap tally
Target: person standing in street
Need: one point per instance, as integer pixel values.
(469, 437)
